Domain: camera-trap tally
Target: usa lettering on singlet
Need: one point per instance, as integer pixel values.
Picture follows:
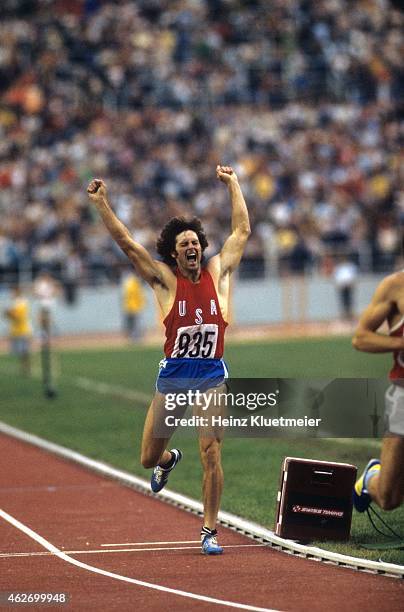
(397, 371)
(195, 326)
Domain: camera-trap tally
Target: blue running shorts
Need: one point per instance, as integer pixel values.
(179, 375)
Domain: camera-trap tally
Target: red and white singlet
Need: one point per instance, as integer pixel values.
(195, 326)
(397, 371)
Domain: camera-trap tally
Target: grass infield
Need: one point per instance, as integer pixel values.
(101, 404)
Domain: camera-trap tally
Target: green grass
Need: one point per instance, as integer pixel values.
(108, 428)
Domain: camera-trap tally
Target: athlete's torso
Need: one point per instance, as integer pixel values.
(397, 371)
(195, 326)
(396, 325)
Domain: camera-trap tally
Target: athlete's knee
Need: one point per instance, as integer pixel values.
(210, 453)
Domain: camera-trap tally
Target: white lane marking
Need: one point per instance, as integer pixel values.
(103, 388)
(64, 557)
(151, 543)
(89, 384)
(117, 550)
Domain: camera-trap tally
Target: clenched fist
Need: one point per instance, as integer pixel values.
(97, 190)
(226, 174)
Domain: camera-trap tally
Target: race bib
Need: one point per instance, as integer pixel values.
(196, 341)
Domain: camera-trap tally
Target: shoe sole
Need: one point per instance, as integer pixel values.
(212, 553)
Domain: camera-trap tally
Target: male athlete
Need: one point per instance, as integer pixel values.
(383, 481)
(194, 304)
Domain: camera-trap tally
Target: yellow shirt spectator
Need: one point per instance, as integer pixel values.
(20, 331)
(133, 301)
(133, 296)
(18, 315)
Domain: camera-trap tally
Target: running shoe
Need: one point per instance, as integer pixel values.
(210, 545)
(360, 495)
(160, 475)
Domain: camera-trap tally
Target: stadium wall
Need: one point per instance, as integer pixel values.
(98, 309)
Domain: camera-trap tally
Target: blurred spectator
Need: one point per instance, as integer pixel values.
(46, 291)
(303, 97)
(71, 273)
(345, 276)
(18, 315)
(133, 302)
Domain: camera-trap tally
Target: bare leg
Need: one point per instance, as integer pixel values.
(153, 448)
(210, 447)
(387, 487)
(212, 483)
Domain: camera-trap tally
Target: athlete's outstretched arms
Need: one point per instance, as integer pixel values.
(233, 248)
(380, 309)
(150, 270)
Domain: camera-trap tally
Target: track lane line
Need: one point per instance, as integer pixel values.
(96, 570)
(152, 543)
(119, 550)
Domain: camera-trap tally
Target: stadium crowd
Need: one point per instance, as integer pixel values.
(303, 97)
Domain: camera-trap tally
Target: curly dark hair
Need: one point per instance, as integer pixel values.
(176, 225)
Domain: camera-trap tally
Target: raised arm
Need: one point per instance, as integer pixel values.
(233, 248)
(382, 306)
(150, 270)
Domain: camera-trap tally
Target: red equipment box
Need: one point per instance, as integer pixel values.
(314, 500)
